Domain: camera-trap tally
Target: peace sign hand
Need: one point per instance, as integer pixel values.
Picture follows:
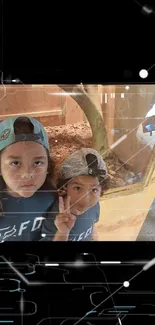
(64, 220)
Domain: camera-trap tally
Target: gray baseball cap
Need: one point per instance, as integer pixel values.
(8, 136)
(83, 162)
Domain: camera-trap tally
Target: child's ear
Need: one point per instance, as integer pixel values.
(62, 191)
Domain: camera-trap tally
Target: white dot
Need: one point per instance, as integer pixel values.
(43, 235)
(126, 284)
(143, 73)
(56, 140)
(16, 80)
(127, 87)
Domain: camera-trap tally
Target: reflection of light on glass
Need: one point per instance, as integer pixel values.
(151, 112)
(142, 92)
(127, 87)
(101, 98)
(63, 94)
(113, 131)
(122, 95)
(150, 127)
(113, 95)
(118, 141)
(106, 99)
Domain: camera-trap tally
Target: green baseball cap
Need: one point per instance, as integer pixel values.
(8, 136)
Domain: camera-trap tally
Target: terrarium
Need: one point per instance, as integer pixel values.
(116, 120)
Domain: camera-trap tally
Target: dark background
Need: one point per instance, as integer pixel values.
(109, 43)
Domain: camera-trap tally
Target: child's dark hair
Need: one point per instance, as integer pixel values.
(62, 184)
(24, 125)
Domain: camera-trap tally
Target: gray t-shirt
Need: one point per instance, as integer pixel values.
(82, 230)
(23, 217)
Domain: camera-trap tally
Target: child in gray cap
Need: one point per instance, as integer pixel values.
(82, 181)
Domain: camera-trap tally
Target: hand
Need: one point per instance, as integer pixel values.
(64, 221)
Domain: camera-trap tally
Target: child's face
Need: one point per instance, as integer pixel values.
(84, 192)
(24, 167)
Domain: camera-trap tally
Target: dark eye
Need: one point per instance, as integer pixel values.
(77, 188)
(38, 163)
(15, 163)
(95, 190)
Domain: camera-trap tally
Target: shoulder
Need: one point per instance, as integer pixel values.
(54, 206)
(44, 200)
(45, 195)
(95, 212)
(96, 207)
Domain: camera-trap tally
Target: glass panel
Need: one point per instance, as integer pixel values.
(117, 120)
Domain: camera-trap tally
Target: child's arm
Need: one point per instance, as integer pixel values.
(58, 228)
(94, 233)
(64, 221)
